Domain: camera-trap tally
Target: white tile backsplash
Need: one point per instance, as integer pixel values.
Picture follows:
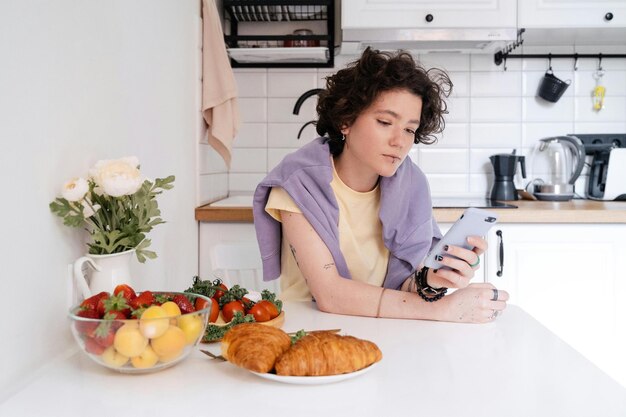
(286, 84)
(491, 111)
(458, 109)
(496, 109)
(447, 61)
(442, 161)
(249, 160)
(253, 109)
(251, 84)
(494, 135)
(455, 135)
(496, 84)
(252, 135)
(535, 109)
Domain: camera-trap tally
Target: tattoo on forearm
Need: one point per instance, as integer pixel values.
(293, 252)
(330, 265)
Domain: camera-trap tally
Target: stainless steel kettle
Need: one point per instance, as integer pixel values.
(565, 159)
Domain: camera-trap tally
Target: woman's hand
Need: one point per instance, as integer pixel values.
(476, 303)
(461, 263)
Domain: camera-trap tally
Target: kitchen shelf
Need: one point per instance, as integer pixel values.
(268, 50)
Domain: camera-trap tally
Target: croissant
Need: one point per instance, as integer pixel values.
(325, 353)
(254, 346)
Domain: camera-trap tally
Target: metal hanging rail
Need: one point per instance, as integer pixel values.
(501, 57)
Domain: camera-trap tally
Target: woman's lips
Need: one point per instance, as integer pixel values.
(391, 158)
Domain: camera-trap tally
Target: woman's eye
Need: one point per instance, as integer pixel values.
(411, 131)
(383, 122)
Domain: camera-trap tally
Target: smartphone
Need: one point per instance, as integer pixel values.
(473, 222)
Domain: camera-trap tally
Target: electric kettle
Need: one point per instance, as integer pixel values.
(562, 159)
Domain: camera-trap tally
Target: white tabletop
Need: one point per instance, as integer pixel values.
(512, 367)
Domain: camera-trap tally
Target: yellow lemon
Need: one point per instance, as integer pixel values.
(192, 326)
(129, 341)
(147, 359)
(154, 322)
(172, 341)
(171, 308)
(113, 358)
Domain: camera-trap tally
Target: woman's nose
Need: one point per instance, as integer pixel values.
(396, 139)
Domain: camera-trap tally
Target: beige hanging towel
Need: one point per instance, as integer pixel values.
(219, 89)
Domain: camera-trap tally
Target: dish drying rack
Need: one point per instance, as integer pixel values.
(268, 50)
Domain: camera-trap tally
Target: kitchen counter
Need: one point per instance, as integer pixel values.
(511, 367)
(239, 209)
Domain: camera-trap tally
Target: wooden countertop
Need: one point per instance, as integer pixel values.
(575, 211)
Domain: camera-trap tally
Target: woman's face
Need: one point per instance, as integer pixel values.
(381, 136)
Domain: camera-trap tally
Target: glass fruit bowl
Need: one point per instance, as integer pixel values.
(161, 337)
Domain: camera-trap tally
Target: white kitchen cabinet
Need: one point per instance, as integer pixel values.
(392, 14)
(571, 14)
(571, 278)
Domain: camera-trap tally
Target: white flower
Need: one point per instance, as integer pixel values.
(75, 189)
(117, 177)
(89, 209)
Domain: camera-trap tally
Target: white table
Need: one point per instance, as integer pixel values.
(512, 367)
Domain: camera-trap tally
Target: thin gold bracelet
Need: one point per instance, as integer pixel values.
(380, 301)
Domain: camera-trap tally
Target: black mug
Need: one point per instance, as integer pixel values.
(552, 88)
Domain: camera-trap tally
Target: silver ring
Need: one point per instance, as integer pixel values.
(495, 294)
(495, 314)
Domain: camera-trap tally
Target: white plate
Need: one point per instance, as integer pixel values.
(315, 380)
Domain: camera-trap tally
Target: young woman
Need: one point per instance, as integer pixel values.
(347, 219)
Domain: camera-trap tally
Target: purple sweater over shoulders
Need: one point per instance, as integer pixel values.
(405, 212)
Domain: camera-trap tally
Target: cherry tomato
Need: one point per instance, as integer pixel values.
(221, 291)
(215, 311)
(229, 309)
(270, 307)
(260, 313)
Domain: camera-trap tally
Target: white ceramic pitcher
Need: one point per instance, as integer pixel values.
(108, 271)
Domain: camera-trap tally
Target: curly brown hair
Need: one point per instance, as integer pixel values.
(354, 88)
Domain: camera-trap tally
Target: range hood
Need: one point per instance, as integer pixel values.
(464, 40)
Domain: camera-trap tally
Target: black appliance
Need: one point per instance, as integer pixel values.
(504, 165)
(599, 146)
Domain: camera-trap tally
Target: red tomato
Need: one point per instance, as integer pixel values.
(229, 309)
(126, 290)
(218, 293)
(215, 311)
(270, 307)
(260, 313)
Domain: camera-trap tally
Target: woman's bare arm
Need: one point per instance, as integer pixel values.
(335, 294)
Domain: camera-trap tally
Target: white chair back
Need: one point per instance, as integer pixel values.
(240, 263)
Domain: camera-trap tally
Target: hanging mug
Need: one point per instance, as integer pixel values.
(551, 87)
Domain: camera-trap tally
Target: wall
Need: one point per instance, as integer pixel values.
(82, 81)
(491, 111)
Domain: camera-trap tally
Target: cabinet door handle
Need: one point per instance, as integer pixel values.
(500, 253)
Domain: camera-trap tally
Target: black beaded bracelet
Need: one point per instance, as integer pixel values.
(425, 291)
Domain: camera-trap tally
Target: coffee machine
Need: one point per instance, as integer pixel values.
(504, 166)
(607, 172)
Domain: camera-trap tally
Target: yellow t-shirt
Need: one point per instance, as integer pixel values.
(360, 238)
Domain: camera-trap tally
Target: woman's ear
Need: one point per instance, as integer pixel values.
(345, 130)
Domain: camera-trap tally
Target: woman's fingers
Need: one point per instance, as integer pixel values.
(479, 244)
(452, 278)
